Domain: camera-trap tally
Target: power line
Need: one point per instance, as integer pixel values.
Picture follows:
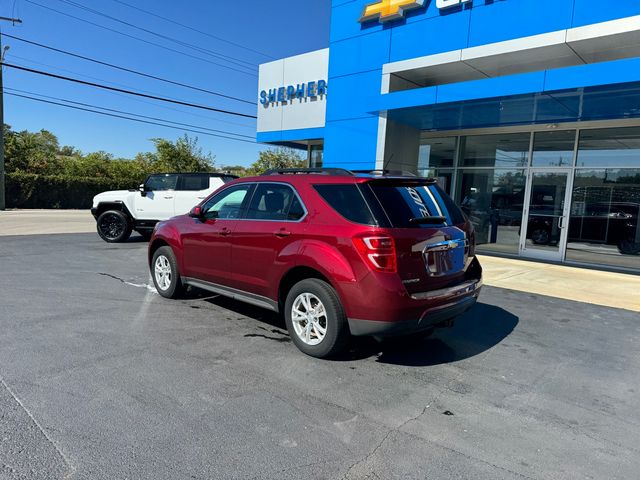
(130, 92)
(241, 63)
(189, 112)
(128, 113)
(128, 118)
(147, 12)
(164, 47)
(124, 69)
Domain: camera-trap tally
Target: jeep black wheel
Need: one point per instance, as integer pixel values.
(315, 319)
(114, 226)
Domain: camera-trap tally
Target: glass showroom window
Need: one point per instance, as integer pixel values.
(554, 149)
(609, 147)
(493, 201)
(604, 227)
(436, 160)
(505, 150)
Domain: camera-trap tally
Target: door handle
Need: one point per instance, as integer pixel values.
(561, 222)
(282, 233)
(168, 198)
(225, 232)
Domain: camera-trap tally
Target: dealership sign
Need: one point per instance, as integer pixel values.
(301, 91)
(387, 10)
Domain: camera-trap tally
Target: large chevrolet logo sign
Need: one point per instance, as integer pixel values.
(386, 10)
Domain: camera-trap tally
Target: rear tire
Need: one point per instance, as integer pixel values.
(629, 246)
(315, 319)
(165, 274)
(114, 226)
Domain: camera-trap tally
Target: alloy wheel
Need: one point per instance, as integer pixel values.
(309, 318)
(162, 271)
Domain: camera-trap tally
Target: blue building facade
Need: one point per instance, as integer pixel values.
(527, 112)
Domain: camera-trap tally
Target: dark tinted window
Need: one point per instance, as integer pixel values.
(402, 203)
(274, 202)
(348, 202)
(159, 183)
(296, 211)
(193, 183)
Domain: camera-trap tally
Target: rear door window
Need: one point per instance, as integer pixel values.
(348, 201)
(402, 203)
(193, 183)
(275, 202)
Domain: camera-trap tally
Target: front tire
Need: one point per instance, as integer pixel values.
(114, 226)
(315, 319)
(164, 270)
(540, 236)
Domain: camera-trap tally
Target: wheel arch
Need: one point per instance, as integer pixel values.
(295, 275)
(119, 206)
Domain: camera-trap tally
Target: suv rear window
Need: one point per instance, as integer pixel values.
(404, 202)
(348, 201)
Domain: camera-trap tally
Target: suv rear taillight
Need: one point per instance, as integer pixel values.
(379, 251)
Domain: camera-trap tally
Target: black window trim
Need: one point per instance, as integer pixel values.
(295, 192)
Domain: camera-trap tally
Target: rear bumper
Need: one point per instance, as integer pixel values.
(451, 302)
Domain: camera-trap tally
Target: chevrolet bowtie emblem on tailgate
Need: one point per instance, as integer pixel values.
(386, 10)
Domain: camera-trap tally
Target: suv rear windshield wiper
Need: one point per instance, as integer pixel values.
(423, 220)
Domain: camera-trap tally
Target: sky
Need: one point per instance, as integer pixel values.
(246, 34)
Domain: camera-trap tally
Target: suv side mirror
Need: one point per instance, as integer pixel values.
(196, 212)
(143, 190)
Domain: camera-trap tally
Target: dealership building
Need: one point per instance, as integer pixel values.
(527, 112)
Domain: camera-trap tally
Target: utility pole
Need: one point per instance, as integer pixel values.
(2, 179)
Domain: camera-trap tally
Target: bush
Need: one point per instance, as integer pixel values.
(28, 190)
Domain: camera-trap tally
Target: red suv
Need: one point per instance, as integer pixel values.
(340, 253)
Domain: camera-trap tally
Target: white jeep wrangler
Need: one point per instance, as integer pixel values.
(160, 197)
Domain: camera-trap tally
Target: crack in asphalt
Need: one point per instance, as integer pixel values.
(382, 442)
(130, 284)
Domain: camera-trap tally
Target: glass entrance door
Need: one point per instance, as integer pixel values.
(544, 233)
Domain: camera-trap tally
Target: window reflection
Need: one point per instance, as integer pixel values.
(604, 227)
(509, 150)
(609, 147)
(493, 200)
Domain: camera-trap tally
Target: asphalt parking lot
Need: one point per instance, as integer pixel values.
(103, 379)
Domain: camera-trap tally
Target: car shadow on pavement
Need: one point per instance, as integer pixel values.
(480, 329)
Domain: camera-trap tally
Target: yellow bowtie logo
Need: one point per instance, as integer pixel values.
(386, 10)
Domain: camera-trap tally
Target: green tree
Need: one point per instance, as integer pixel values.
(182, 156)
(277, 158)
(30, 152)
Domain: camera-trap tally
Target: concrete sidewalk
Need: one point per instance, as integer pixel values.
(42, 222)
(579, 284)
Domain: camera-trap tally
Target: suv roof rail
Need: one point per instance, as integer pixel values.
(302, 171)
(384, 172)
